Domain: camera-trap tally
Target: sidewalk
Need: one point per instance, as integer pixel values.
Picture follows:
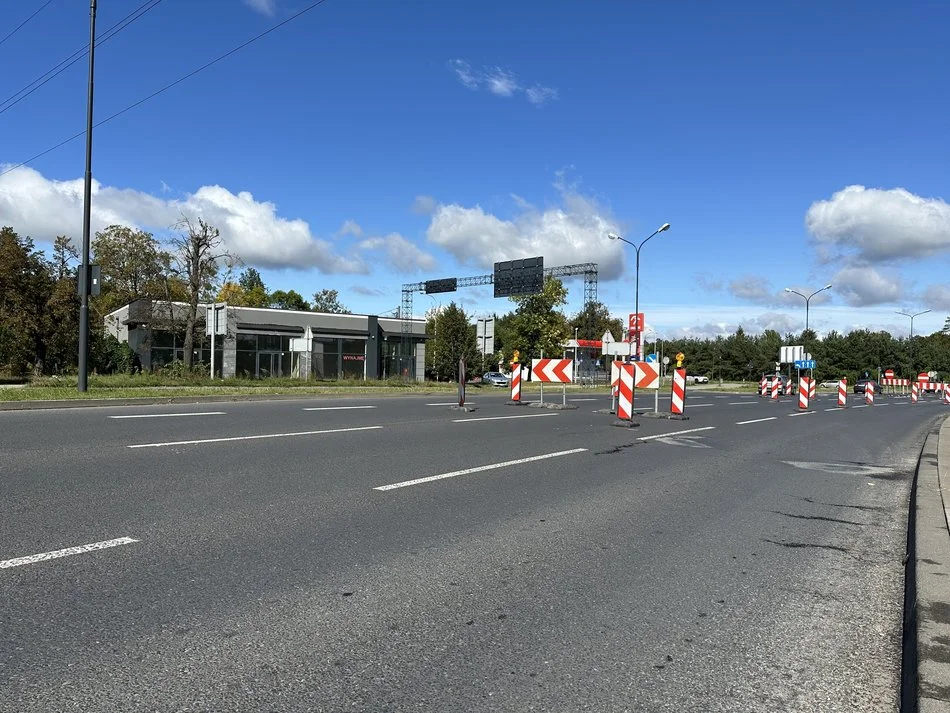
(930, 588)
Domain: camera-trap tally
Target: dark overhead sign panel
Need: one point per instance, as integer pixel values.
(519, 277)
(449, 284)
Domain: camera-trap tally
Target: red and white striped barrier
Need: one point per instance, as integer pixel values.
(946, 394)
(552, 371)
(763, 386)
(776, 385)
(869, 393)
(914, 392)
(803, 393)
(812, 388)
(678, 400)
(516, 382)
(843, 392)
(625, 392)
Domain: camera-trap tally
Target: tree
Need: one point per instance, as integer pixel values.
(25, 286)
(328, 301)
(233, 294)
(538, 326)
(133, 267)
(454, 339)
(289, 300)
(64, 255)
(254, 292)
(196, 252)
(592, 321)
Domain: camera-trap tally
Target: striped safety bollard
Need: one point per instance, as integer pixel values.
(764, 386)
(812, 389)
(803, 392)
(843, 392)
(914, 392)
(678, 399)
(869, 393)
(946, 394)
(625, 392)
(776, 385)
(516, 382)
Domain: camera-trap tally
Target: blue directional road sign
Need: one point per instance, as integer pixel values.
(652, 358)
(805, 364)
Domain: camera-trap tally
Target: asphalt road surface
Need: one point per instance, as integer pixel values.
(398, 555)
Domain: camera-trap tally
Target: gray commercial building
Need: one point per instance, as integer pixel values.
(260, 343)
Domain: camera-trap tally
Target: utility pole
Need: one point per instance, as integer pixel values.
(85, 272)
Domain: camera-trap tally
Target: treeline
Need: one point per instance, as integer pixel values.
(538, 324)
(39, 301)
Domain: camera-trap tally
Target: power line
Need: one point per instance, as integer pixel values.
(18, 27)
(169, 86)
(50, 74)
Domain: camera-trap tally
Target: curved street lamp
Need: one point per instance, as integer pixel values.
(910, 342)
(807, 299)
(636, 305)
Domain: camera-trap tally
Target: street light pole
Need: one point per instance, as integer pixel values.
(910, 341)
(807, 299)
(636, 293)
(86, 214)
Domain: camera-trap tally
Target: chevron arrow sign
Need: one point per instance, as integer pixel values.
(558, 371)
(647, 375)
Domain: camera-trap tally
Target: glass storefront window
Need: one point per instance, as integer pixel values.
(245, 365)
(268, 342)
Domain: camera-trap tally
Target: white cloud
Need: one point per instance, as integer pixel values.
(368, 291)
(265, 7)
(401, 254)
(350, 227)
(501, 82)
(863, 286)
(567, 235)
(424, 205)
(758, 290)
(937, 297)
(876, 225)
(251, 229)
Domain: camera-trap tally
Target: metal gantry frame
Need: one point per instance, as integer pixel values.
(587, 269)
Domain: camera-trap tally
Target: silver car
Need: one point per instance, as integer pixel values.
(494, 378)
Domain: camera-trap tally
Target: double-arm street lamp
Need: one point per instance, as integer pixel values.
(807, 299)
(911, 340)
(637, 247)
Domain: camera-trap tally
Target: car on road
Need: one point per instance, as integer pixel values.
(828, 385)
(494, 378)
(860, 386)
(697, 379)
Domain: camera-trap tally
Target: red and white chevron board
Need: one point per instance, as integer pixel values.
(803, 392)
(516, 382)
(843, 392)
(678, 400)
(914, 392)
(625, 392)
(557, 371)
(647, 375)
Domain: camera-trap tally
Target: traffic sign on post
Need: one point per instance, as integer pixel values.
(652, 358)
(805, 364)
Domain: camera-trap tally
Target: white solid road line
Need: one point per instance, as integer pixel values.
(676, 433)
(253, 438)
(501, 418)
(478, 469)
(585, 399)
(168, 415)
(335, 408)
(740, 403)
(801, 413)
(861, 406)
(453, 403)
(757, 420)
(56, 554)
(689, 405)
(837, 408)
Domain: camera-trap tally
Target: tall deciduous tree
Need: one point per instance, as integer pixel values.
(328, 301)
(254, 292)
(289, 300)
(133, 265)
(25, 285)
(538, 324)
(454, 339)
(195, 256)
(592, 321)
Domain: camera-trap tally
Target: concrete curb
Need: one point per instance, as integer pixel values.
(152, 400)
(929, 586)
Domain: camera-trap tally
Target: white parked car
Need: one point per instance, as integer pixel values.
(697, 379)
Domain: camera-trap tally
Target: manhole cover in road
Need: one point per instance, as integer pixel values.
(841, 468)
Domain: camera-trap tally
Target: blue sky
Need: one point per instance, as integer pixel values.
(368, 144)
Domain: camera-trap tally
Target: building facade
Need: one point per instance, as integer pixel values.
(260, 343)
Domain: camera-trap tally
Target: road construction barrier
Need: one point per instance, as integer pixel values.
(869, 393)
(946, 394)
(843, 392)
(556, 371)
(812, 388)
(678, 400)
(764, 386)
(776, 385)
(804, 391)
(625, 392)
(914, 392)
(516, 382)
